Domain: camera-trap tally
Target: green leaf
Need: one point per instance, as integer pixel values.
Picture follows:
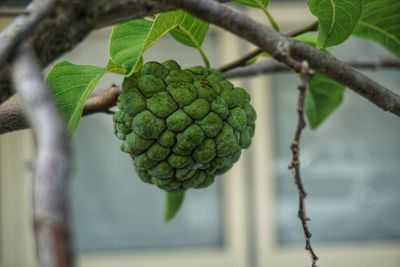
(129, 40)
(323, 96)
(337, 19)
(190, 32)
(308, 38)
(71, 86)
(111, 67)
(257, 57)
(261, 4)
(173, 202)
(380, 22)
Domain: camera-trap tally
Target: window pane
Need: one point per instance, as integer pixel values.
(112, 208)
(350, 165)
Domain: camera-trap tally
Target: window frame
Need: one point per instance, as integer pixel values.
(269, 252)
(15, 200)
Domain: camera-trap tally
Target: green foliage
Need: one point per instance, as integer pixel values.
(380, 22)
(191, 32)
(323, 96)
(71, 85)
(337, 19)
(173, 202)
(127, 43)
(256, 58)
(129, 40)
(182, 127)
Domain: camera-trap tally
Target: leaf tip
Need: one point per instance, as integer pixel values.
(172, 204)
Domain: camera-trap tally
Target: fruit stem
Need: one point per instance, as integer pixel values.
(204, 57)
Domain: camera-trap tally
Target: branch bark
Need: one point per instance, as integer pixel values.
(269, 66)
(12, 117)
(241, 62)
(70, 22)
(52, 163)
(280, 46)
(15, 33)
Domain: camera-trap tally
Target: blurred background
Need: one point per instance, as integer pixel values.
(248, 218)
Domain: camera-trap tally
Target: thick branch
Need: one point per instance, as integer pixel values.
(15, 33)
(12, 116)
(278, 46)
(52, 163)
(271, 66)
(71, 21)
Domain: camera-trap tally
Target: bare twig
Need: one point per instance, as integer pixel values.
(295, 164)
(240, 62)
(12, 117)
(21, 28)
(272, 42)
(102, 101)
(52, 164)
(269, 66)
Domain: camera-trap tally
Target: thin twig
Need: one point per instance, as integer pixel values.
(269, 66)
(240, 62)
(12, 116)
(305, 75)
(52, 163)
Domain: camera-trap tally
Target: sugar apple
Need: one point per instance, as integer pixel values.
(182, 127)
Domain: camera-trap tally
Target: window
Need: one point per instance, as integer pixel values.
(350, 164)
(349, 167)
(250, 218)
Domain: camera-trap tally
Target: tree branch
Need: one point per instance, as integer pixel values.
(241, 62)
(71, 21)
(52, 164)
(305, 75)
(278, 46)
(15, 33)
(269, 66)
(12, 116)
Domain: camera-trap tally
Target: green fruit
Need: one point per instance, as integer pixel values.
(182, 127)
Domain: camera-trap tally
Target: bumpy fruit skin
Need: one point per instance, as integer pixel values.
(182, 127)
